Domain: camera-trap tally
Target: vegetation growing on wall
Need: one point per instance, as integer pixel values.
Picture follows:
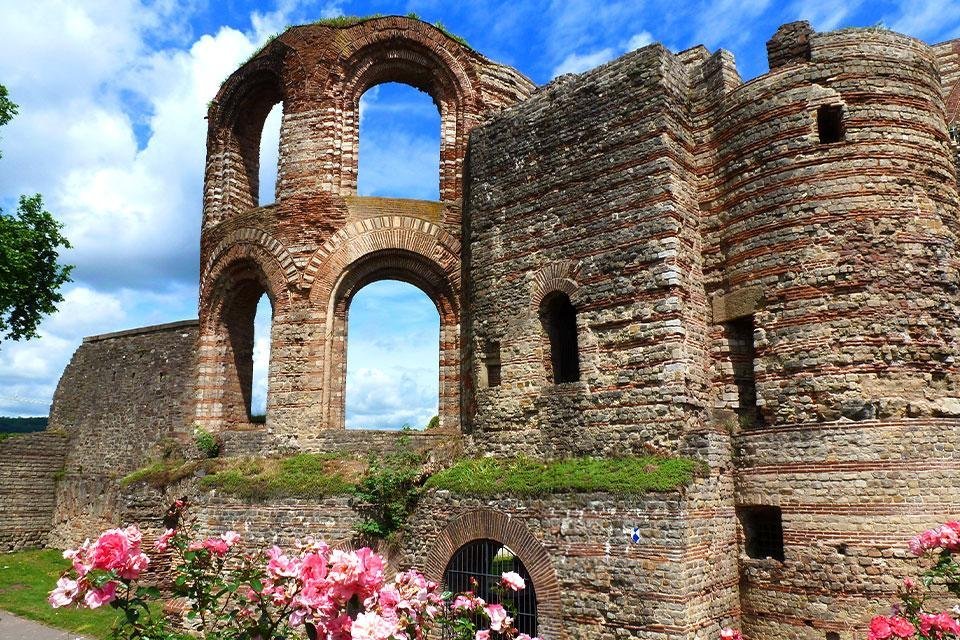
(387, 487)
(388, 492)
(526, 476)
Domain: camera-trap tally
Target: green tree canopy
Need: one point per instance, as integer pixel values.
(30, 274)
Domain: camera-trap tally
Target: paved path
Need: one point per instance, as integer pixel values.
(14, 628)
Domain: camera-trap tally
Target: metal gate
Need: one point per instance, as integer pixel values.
(485, 561)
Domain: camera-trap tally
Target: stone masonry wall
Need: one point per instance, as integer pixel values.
(587, 188)
(592, 581)
(852, 494)
(320, 242)
(30, 466)
(122, 396)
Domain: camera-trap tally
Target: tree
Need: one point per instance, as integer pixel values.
(30, 274)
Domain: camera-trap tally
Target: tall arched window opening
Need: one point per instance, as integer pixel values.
(270, 155)
(478, 566)
(393, 357)
(245, 306)
(559, 319)
(262, 326)
(399, 152)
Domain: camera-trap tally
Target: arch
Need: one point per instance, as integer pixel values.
(278, 279)
(489, 524)
(272, 247)
(417, 54)
(375, 234)
(236, 117)
(557, 276)
(479, 565)
(419, 271)
(234, 285)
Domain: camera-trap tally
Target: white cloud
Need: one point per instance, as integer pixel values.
(639, 40)
(86, 75)
(578, 63)
(930, 20)
(378, 399)
(824, 15)
(29, 371)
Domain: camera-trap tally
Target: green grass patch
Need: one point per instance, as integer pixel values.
(162, 474)
(528, 477)
(307, 475)
(26, 577)
(341, 22)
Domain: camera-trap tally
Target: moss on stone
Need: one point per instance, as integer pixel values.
(307, 475)
(529, 477)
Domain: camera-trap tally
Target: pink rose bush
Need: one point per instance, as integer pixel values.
(238, 594)
(99, 568)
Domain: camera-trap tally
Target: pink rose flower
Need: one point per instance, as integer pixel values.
(163, 542)
(941, 622)
(901, 627)
(730, 634)
(370, 626)
(880, 628)
(216, 546)
(231, 538)
(499, 620)
(512, 580)
(483, 635)
(280, 566)
(64, 593)
(135, 565)
(110, 550)
(104, 595)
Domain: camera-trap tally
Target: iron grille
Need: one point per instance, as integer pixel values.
(485, 561)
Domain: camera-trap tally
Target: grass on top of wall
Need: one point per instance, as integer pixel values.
(306, 475)
(529, 477)
(26, 577)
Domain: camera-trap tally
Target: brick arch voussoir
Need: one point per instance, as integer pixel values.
(364, 237)
(278, 62)
(220, 273)
(439, 52)
(257, 238)
(512, 532)
(555, 277)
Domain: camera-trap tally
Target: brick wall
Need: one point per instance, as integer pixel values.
(30, 466)
(121, 397)
(586, 188)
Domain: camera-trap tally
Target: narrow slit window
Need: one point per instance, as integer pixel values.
(742, 357)
(762, 531)
(559, 319)
(830, 124)
(491, 362)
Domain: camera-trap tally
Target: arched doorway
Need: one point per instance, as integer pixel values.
(478, 566)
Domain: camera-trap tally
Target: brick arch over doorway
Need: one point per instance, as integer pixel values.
(494, 525)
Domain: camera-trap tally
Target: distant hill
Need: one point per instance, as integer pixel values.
(22, 425)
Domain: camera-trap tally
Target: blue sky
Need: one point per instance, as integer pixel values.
(112, 95)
